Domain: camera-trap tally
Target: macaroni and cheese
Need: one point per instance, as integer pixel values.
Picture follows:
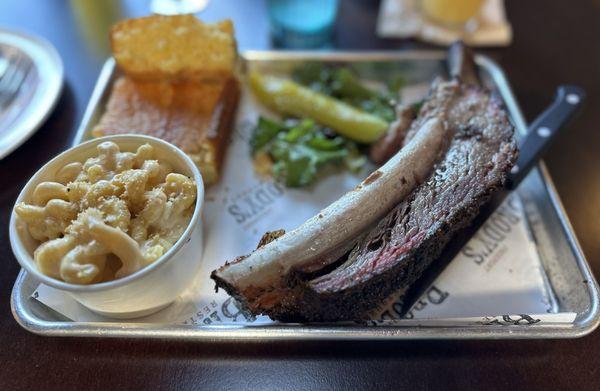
(108, 217)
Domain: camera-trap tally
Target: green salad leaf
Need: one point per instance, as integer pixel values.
(299, 148)
(264, 132)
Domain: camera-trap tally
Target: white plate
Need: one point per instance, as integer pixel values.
(42, 86)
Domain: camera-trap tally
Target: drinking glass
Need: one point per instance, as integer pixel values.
(299, 24)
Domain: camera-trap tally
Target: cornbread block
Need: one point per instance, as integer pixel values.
(174, 47)
(196, 117)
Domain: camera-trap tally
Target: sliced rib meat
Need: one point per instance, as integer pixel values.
(262, 276)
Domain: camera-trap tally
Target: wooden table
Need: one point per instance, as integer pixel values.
(555, 42)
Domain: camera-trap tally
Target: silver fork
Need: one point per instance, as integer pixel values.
(16, 69)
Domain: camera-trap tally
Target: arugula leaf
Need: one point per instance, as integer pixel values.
(345, 84)
(323, 143)
(265, 131)
(298, 131)
(300, 148)
(297, 169)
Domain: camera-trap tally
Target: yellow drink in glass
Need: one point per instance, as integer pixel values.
(451, 12)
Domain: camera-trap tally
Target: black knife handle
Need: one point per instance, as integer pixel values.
(544, 129)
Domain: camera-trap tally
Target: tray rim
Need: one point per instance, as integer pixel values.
(580, 327)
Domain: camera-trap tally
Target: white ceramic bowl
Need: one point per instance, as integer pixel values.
(149, 289)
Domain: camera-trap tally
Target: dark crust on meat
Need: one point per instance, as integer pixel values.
(356, 302)
(364, 280)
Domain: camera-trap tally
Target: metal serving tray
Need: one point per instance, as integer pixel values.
(567, 272)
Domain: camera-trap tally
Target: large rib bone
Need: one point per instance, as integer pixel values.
(319, 239)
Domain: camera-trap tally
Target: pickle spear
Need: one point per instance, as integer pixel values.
(287, 97)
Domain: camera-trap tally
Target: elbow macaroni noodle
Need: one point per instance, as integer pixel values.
(108, 217)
